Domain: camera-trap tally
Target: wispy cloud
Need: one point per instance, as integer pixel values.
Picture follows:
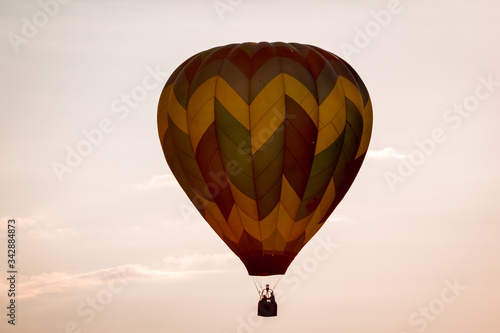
(174, 268)
(386, 153)
(199, 262)
(61, 281)
(37, 227)
(157, 182)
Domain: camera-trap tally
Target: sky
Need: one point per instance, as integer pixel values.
(108, 242)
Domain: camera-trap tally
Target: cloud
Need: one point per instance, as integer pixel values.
(199, 262)
(37, 227)
(56, 282)
(21, 223)
(174, 268)
(386, 153)
(157, 182)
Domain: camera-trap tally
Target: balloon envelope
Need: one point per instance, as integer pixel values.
(265, 139)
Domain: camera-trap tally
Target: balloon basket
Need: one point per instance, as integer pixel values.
(267, 308)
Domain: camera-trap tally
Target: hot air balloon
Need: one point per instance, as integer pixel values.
(265, 139)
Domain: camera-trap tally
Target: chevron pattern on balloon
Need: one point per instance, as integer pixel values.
(265, 139)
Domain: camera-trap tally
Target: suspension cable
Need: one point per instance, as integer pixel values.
(255, 284)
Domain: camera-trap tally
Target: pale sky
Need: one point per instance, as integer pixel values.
(110, 243)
